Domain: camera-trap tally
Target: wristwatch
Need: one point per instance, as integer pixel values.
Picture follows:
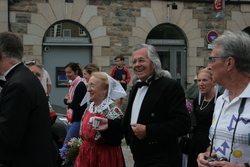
(246, 164)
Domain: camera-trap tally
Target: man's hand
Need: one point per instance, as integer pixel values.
(139, 131)
(202, 159)
(225, 164)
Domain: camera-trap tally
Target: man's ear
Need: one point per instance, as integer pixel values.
(230, 63)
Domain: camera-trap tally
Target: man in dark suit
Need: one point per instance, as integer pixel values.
(156, 114)
(25, 132)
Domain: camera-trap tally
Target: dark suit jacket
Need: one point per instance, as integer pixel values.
(25, 130)
(165, 115)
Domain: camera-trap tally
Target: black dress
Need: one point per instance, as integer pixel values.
(200, 140)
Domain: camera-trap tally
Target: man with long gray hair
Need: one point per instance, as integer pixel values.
(156, 114)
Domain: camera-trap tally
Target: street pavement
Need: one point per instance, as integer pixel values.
(125, 149)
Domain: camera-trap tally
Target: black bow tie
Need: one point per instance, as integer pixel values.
(140, 84)
(2, 82)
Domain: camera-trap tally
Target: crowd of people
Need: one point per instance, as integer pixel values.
(156, 117)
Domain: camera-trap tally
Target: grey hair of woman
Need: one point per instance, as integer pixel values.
(237, 46)
(11, 46)
(154, 57)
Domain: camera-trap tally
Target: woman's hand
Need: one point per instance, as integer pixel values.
(103, 124)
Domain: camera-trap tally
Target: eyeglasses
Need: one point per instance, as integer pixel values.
(211, 60)
(91, 86)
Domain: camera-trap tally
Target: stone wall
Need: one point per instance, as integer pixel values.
(116, 25)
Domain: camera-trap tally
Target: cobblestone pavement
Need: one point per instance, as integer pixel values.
(127, 155)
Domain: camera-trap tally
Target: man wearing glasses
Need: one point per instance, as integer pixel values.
(230, 129)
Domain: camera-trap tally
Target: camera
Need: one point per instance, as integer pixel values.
(211, 159)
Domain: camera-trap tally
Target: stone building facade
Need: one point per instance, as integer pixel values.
(116, 25)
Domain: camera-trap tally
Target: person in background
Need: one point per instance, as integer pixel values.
(156, 114)
(37, 70)
(101, 146)
(46, 81)
(203, 113)
(87, 71)
(73, 99)
(25, 129)
(122, 75)
(229, 132)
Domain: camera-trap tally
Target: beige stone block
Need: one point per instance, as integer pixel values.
(246, 17)
(3, 17)
(78, 7)
(138, 32)
(159, 9)
(135, 40)
(39, 20)
(101, 60)
(32, 40)
(12, 17)
(59, 9)
(37, 50)
(192, 70)
(149, 15)
(195, 61)
(94, 22)
(88, 13)
(3, 26)
(4, 5)
(190, 25)
(237, 16)
(97, 51)
(98, 32)
(174, 15)
(68, 10)
(101, 41)
(197, 42)
(48, 13)
(192, 51)
(185, 16)
(244, 8)
(34, 29)
(130, 59)
(233, 26)
(143, 23)
(193, 34)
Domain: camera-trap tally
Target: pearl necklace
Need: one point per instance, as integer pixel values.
(201, 108)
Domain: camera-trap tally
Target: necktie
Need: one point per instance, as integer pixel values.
(140, 84)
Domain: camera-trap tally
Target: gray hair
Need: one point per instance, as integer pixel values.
(237, 46)
(11, 46)
(153, 57)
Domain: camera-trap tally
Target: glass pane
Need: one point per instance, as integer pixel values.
(165, 31)
(63, 28)
(178, 65)
(165, 60)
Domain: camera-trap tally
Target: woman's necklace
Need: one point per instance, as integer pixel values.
(201, 108)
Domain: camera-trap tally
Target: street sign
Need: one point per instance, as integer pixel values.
(211, 36)
(218, 5)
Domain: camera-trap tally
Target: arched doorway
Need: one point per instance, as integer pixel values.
(170, 44)
(65, 41)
